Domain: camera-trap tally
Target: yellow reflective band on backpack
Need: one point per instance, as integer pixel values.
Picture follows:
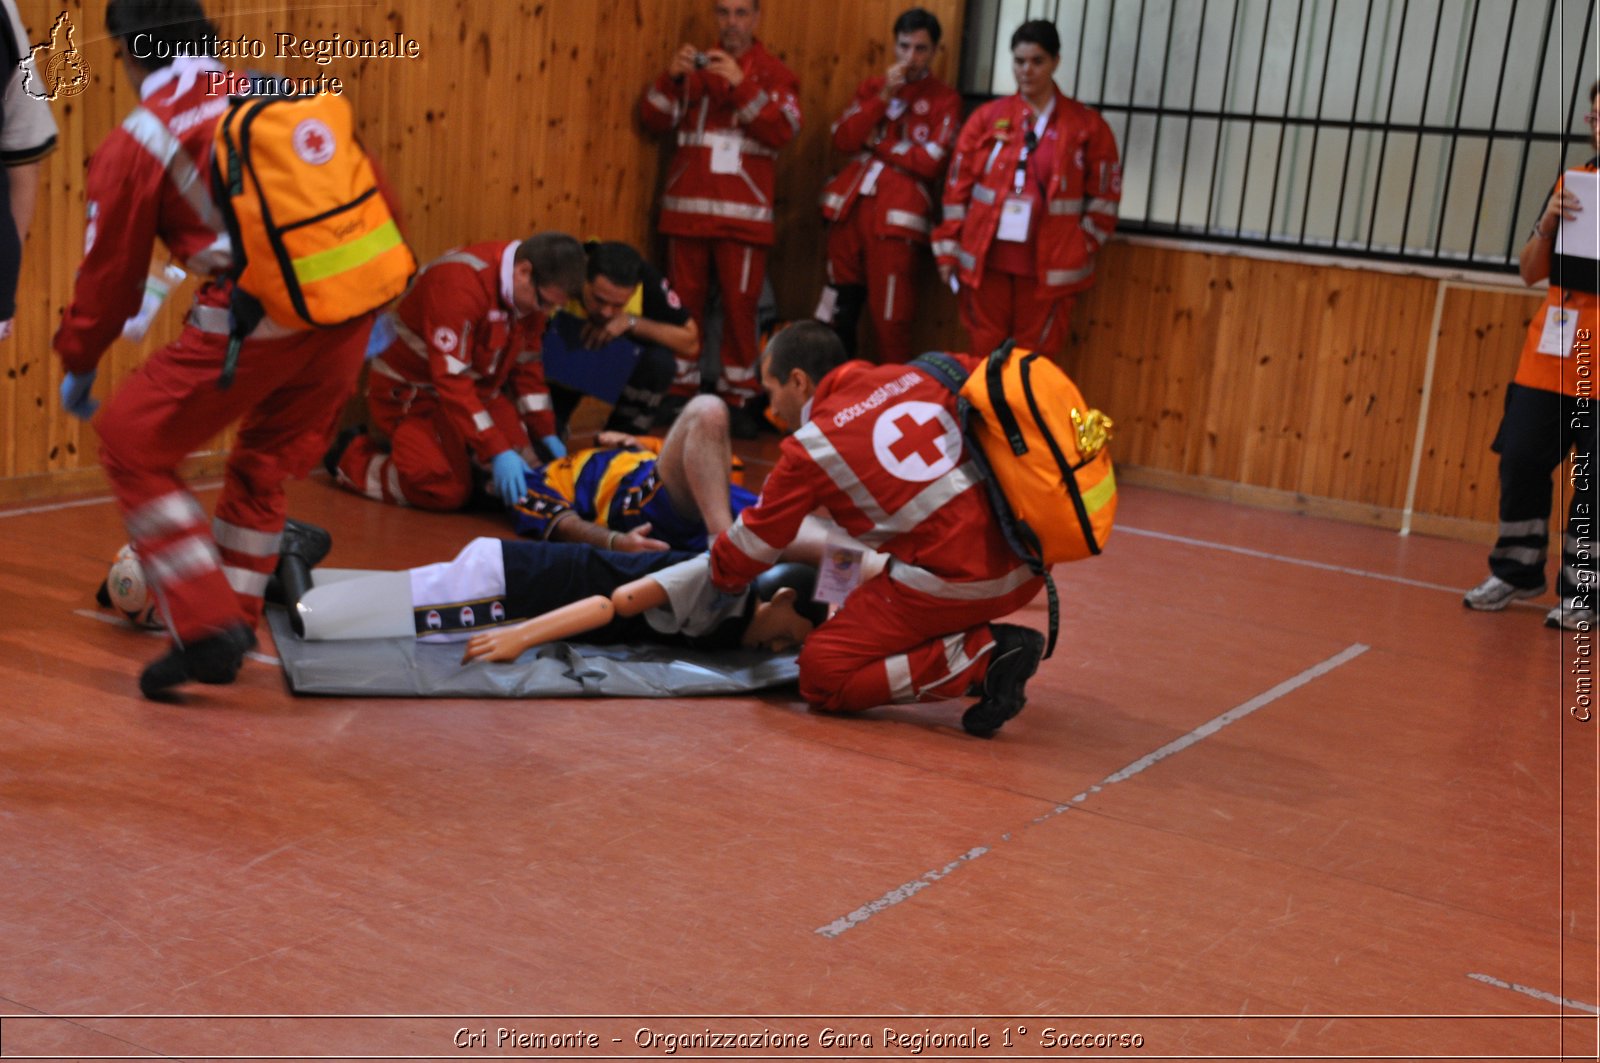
(336, 260)
(1097, 496)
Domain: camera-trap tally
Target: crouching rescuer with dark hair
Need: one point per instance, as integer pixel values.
(881, 449)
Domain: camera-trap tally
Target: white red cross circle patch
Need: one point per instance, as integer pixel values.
(917, 441)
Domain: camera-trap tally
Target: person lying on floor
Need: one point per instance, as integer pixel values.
(635, 495)
(507, 595)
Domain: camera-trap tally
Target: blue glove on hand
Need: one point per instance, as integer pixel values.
(75, 398)
(554, 445)
(510, 477)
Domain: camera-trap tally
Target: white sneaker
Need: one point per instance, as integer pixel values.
(1494, 594)
(1571, 616)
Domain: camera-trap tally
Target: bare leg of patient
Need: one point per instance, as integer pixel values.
(696, 460)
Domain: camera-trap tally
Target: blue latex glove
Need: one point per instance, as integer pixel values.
(381, 336)
(554, 445)
(75, 398)
(510, 477)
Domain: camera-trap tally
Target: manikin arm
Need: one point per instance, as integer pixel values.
(508, 643)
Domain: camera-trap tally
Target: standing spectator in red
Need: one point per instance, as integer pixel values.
(1031, 198)
(463, 382)
(733, 107)
(899, 129)
(147, 181)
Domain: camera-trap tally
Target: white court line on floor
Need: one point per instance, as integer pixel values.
(1262, 554)
(107, 618)
(907, 890)
(1537, 994)
(98, 500)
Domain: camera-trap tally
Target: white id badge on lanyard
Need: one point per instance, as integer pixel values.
(1014, 218)
(839, 575)
(724, 152)
(1559, 324)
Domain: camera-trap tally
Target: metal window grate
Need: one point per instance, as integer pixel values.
(1421, 131)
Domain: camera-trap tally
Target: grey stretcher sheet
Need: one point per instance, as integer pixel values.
(406, 668)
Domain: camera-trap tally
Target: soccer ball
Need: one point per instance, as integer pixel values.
(129, 593)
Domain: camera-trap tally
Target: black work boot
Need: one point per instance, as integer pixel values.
(215, 659)
(1012, 662)
(306, 541)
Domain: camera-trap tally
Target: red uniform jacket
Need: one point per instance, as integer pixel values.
(148, 179)
(1080, 202)
(884, 455)
(458, 337)
(758, 116)
(907, 141)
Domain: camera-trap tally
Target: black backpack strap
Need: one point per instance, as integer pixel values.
(997, 398)
(1055, 612)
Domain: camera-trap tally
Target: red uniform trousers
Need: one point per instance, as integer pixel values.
(741, 270)
(1005, 306)
(857, 255)
(289, 392)
(428, 464)
(889, 643)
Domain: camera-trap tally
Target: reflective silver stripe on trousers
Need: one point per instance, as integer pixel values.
(245, 540)
(1522, 555)
(955, 212)
(151, 134)
(983, 194)
(243, 581)
(747, 145)
(173, 511)
(182, 560)
(1066, 207)
(1518, 529)
(1099, 234)
(1068, 276)
(898, 672)
(906, 220)
(920, 579)
(533, 403)
(750, 544)
(716, 208)
(1103, 206)
(956, 659)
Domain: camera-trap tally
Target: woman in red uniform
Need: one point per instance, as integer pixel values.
(1030, 198)
(1549, 413)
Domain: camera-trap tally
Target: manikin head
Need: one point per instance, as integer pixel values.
(781, 612)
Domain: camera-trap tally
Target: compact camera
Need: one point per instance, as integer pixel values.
(700, 60)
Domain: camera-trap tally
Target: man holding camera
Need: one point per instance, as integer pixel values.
(733, 107)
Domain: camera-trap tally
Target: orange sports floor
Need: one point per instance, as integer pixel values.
(1277, 795)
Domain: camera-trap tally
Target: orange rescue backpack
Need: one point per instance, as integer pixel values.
(1042, 452)
(314, 243)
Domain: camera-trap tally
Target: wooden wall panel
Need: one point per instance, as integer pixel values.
(1480, 340)
(1302, 380)
(519, 116)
